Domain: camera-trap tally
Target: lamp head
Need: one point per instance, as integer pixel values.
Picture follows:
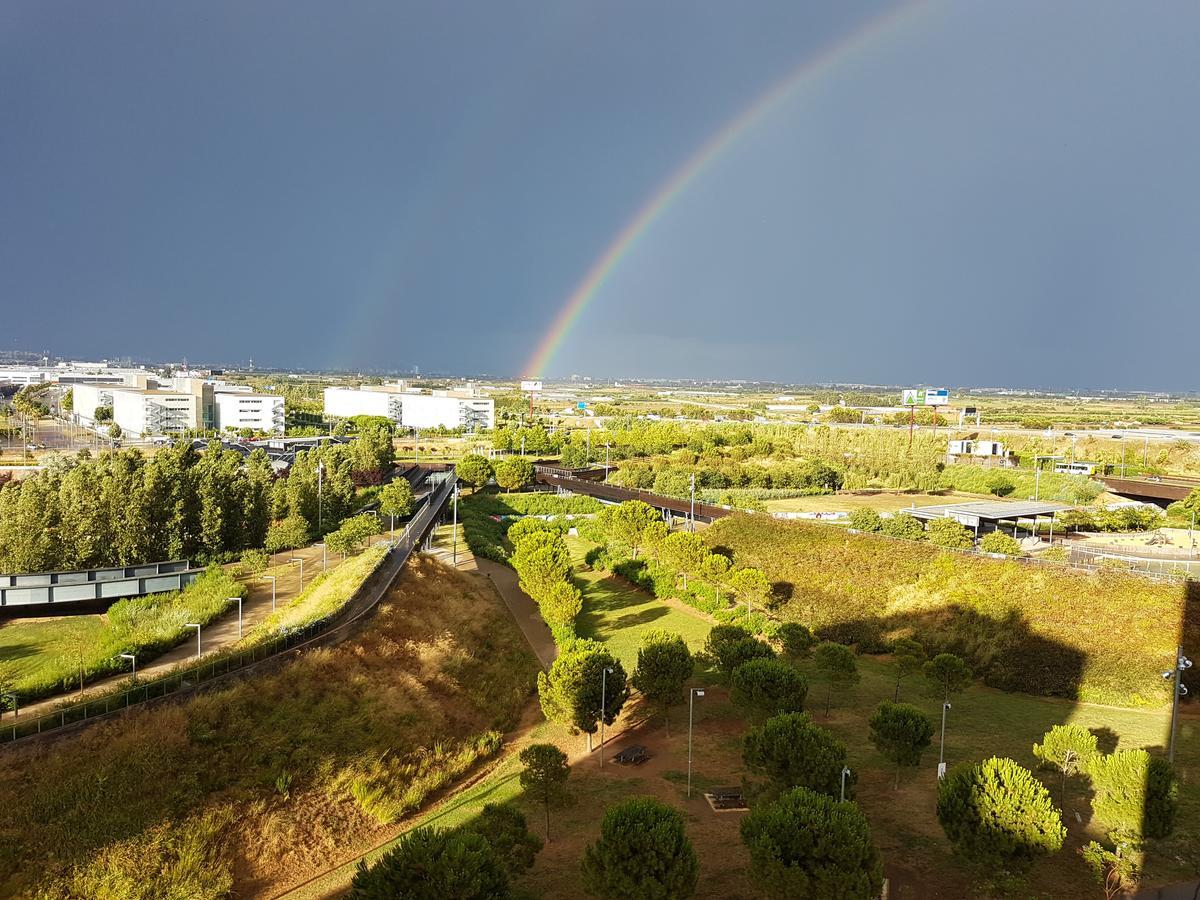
(1167, 676)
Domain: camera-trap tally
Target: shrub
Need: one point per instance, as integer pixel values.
(904, 525)
(1136, 794)
(768, 687)
(731, 645)
(797, 640)
(643, 852)
(949, 533)
(255, 561)
(505, 828)
(999, 485)
(999, 542)
(996, 812)
(790, 751)
(1045, 630)
(432, 864)
(1067, 748)
(807, 846)
(866, 519)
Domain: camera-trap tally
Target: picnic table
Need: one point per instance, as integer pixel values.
(726, 798)
(635, 755)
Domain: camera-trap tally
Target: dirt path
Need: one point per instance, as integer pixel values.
(217, 634)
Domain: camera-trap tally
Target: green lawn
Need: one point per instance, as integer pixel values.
(618, 614)
(35, 651)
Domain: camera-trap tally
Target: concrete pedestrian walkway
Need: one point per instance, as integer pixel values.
(218, 634)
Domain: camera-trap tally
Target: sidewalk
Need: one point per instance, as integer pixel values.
(217, 635)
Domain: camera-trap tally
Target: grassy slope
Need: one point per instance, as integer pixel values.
(36, 648)
(849, 502)
(438, 665)
(1040, 629)
(618, 614)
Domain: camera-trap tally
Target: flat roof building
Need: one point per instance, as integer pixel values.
(459, 408)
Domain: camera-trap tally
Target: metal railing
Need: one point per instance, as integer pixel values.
(229, 663)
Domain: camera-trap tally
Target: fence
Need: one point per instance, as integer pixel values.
(42, 590)
(225, 664)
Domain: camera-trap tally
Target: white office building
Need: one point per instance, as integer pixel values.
(241, 409)
(459, 408)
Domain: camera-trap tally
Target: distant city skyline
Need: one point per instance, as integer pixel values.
(909, 193)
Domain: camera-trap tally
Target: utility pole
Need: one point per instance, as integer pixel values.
(1175, 675)
(692, 514)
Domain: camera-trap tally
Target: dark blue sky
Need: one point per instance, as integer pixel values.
(981, 193)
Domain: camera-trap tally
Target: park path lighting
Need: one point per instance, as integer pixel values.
(604, 673)
(132, 657)
(272, 579)
(320, 498)
(197, 627)
(454, 529)
(606, 446)
(239, 603)
(324, 557)
(1182, 663)
(942, 747)
(693, 693)
(299, 559)
(845, 775)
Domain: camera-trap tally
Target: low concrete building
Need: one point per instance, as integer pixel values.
(408, 408)
(240, 409)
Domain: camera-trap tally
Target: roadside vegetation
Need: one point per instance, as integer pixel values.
(40, 657)
(265, 779)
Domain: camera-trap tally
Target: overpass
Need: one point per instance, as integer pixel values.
(1162, 490)
(582, 482)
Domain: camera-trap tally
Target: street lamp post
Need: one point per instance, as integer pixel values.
(320, 485)
(299, 559)
(606, 446)
(454, 528)
(1180, 690)
(132, 657)
(942, 747)
(270, 578)
(845, 774)
(239, 603)
(603, 703)
(197, 627)
(693, 693)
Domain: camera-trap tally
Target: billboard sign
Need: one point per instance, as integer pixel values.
(531, 386)
(930, 397)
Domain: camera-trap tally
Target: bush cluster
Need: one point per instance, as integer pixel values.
(1035, 629)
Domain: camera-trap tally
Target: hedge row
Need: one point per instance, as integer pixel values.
(1030, 628)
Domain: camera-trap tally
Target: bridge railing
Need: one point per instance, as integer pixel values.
(232, 662)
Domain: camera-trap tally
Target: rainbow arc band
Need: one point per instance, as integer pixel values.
(808, 72)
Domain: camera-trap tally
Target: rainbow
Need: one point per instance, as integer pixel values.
(670, 190)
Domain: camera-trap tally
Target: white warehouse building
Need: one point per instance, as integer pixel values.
(410, 409)
(179, 405)
(241, 409)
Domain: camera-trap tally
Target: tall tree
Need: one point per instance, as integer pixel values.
(433, 864)
(790, 751)
(1067, 748)
(948, 675)
(544, 776)
(901, 733)
(837, 664)
(910, 658)
(643, 854)
(808, 846)
(664, 664)
(571, 692)
(684, 552)
(768, 687)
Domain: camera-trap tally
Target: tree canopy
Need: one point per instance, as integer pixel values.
(433, 864)
(767, 687)
(790, 751)
(807, 846)
(664, 664)
(901, 733)
(571, 691)
(643, 853)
